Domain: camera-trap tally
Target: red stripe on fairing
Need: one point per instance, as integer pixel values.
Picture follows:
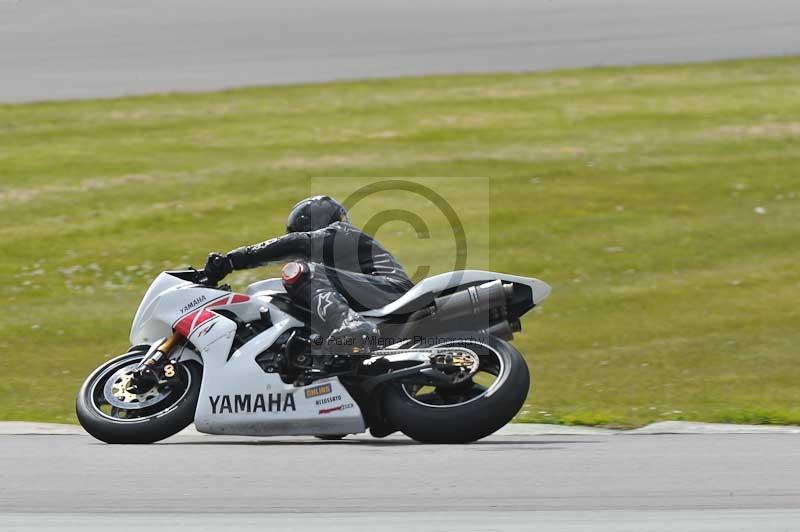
(230, 300)
(220, 303)
(184, 325)
(213, 303)
(203, 317)
(187, 324)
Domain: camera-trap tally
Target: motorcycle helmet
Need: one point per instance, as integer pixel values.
(315, 213)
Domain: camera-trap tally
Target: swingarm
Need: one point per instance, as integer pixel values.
(436, 366)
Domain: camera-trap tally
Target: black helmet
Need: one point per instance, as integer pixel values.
(315, 213)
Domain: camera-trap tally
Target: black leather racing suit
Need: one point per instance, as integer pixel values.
(345, 269)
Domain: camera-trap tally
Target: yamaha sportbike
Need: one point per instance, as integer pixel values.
(443, 370)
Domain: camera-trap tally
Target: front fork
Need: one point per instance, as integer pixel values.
(156, 365)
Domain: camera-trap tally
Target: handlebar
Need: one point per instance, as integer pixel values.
(199, 277)
(194, 276)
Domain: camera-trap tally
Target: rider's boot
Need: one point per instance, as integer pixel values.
(353, 335)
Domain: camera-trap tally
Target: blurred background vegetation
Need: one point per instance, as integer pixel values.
(661, 203)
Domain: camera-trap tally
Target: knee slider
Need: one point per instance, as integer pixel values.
(294, 272)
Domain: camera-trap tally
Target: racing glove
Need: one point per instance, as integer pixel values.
(217, 267)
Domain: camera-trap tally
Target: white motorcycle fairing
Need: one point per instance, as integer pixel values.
(431, 285)
(439, 283)
(236, 395)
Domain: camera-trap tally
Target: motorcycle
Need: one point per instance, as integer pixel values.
(443, 370)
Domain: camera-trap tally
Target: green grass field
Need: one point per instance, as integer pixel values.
(661, 203)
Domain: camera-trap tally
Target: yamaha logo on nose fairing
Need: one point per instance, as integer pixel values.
(192, 304)
(247, 403)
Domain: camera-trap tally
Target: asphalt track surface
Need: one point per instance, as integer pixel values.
(57, 49)
(594, 482)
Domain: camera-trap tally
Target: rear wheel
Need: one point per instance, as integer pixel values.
(469, 410)
(108, 409)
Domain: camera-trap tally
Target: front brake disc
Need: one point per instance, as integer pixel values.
(117, 391)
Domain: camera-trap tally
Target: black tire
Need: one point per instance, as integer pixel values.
(471, 420)
(176, 415)
(330, 437)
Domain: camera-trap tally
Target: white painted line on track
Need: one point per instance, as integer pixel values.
(689, 427)
(652, 520)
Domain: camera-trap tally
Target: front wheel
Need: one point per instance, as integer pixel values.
(471, 410)
(111, 413)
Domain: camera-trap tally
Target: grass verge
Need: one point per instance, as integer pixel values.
(661, 202)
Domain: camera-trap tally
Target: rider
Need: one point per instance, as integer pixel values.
(336, 269)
